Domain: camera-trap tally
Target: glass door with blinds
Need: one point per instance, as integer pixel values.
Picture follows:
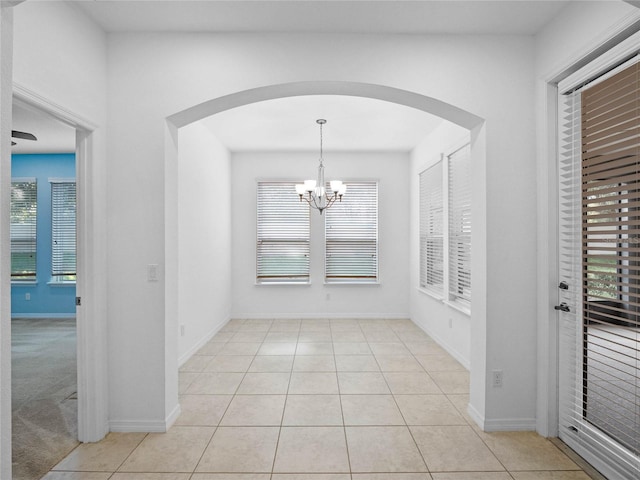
(599, 248)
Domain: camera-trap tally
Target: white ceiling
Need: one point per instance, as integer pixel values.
(325, 16)
(53, 136)
(289, 124)
(353, 123)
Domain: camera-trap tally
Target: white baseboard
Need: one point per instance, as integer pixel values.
(132, 426)
(315, 316)
(43, 315)
(173, 416)
(198, 345)
(510, 425)
(450, 350)
(146, 426)
(475, 416)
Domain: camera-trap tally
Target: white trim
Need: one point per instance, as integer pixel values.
(458, 306)
(172, 417)
(62, 180)
(596, 47)
(146, 426)
(594, 69)
(202, 342)
(435, 295)
(29, 99)
(315, 316)
(42, 315)
(476, 416)
(65, 283)
(451, 351)
(91, 317)
(510, 425)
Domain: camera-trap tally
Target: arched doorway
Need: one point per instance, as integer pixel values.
(174, 122)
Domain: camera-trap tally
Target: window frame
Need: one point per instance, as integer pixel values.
(289, 198)
(374, 239)
(27, 278)
(428, 223)
(459, 215)
(58, 278)
(444, 294)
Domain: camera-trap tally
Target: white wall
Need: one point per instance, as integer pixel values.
(60, 54)
(450, 327)
(389, 299)
(204, 237)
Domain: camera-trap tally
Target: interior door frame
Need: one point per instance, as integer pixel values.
(91, 330)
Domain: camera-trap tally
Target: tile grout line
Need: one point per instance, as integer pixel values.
(284, 408)
(215, 430)
(344, 426)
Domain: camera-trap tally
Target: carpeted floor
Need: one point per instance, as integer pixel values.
(43, 393)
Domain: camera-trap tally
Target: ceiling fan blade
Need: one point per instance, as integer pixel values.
(23, 135)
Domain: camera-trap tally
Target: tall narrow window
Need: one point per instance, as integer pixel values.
(460, 226)
(282, 234)
(351, 236)
(63, 231)
(432, 230)
(24, 208)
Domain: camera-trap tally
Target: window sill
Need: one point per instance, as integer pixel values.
(353, 282)
(269, 284)
(29, 283)
(62, 284)
(456, 306)
(434, 295)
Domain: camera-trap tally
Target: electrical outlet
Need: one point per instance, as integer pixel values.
(27, 296)
(328, 296)
(451, 323)
(182, 330)
(152, 272)
(497, 378)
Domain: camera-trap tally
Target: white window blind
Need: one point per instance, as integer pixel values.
(432, 230)
(351, 236)
(24, 209)
(282, 234)
(459, 168)
(63, 230)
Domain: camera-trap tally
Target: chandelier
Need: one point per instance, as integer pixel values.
(314, 191)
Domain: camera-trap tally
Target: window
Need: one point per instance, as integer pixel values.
(351, 236)
(460, 225)
(432, 230)
(282, 234)
(24, 208)
(63, 230)
(445, 228)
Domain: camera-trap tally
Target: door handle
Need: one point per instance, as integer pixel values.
(563, 307)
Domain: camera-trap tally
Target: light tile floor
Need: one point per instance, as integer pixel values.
(321, 400)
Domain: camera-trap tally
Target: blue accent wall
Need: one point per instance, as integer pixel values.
(46, 300)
